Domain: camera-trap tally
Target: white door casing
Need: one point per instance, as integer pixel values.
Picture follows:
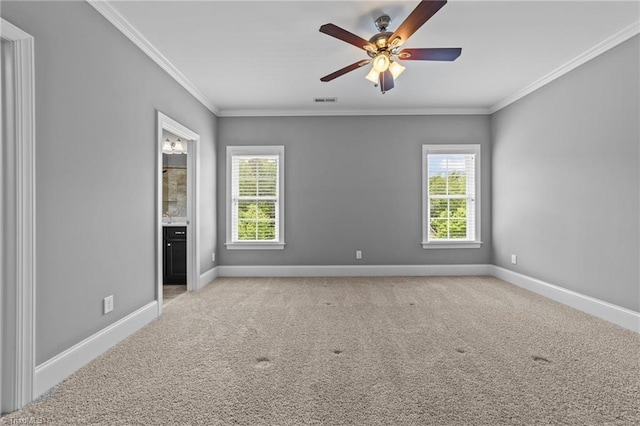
(165, 122)
(18, 221)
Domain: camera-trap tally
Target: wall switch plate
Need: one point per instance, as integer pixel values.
(213, 257)
(514, 259)
(358, 254)
(108, 304)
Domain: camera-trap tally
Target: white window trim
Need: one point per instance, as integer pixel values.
(256, 150)
(450, 149)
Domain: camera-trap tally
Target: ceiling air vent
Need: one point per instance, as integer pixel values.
(325, 100)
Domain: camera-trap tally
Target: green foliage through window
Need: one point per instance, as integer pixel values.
(256, 222)
(447, 197)
(256, 197)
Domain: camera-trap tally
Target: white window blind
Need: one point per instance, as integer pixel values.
(451, 198)
(255, 198)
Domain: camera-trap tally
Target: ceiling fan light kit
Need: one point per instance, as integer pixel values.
(381, 62)
(384, 47)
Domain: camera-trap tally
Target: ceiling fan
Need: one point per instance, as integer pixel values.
(384, 47)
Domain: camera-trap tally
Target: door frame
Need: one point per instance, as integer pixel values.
(164, 122)
(18, 248)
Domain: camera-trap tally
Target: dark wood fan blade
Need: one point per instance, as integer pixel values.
(435, 54)
(386, 81)
(421, 14)
(345, 70)
(344, 35)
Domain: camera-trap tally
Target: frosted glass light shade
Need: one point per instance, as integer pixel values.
(396, 69)
(373, 76)
(166, 147)
(178, 148)
(381, 62)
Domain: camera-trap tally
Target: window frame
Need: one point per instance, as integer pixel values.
(268, 150)
(454, 149)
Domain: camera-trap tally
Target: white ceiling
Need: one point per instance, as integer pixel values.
(267, 57)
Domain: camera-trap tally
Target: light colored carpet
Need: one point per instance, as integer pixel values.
(365, 351)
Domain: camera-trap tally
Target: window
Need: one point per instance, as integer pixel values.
(451, 196)
(255, 197)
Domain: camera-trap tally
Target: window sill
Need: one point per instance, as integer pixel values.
(255, 246)
(451, 245)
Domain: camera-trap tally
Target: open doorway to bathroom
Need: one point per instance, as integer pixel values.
(175, 153)
(178, 268)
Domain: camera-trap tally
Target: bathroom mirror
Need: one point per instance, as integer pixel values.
(174, 179)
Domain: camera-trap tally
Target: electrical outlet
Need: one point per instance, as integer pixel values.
(514, 259)
(108, 304)
(213, 257)
(358, 254)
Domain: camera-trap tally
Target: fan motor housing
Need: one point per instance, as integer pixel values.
(381, 41)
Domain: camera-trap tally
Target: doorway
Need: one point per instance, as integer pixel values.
(175, 152)
(176, 209)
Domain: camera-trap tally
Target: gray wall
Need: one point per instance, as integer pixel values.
(96, 101)
(354, 183)
(351, 182)
(566, 181)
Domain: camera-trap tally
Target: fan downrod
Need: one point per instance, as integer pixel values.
(380, 40)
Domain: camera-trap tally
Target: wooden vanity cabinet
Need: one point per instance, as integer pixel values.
(175, 255)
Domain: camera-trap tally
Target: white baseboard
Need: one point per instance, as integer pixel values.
(207, 277)
(618, 315)
(351, 270)
(53, 371)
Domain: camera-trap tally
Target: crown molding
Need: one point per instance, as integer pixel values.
(597, 50)
(112, 15)
(350, 112)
